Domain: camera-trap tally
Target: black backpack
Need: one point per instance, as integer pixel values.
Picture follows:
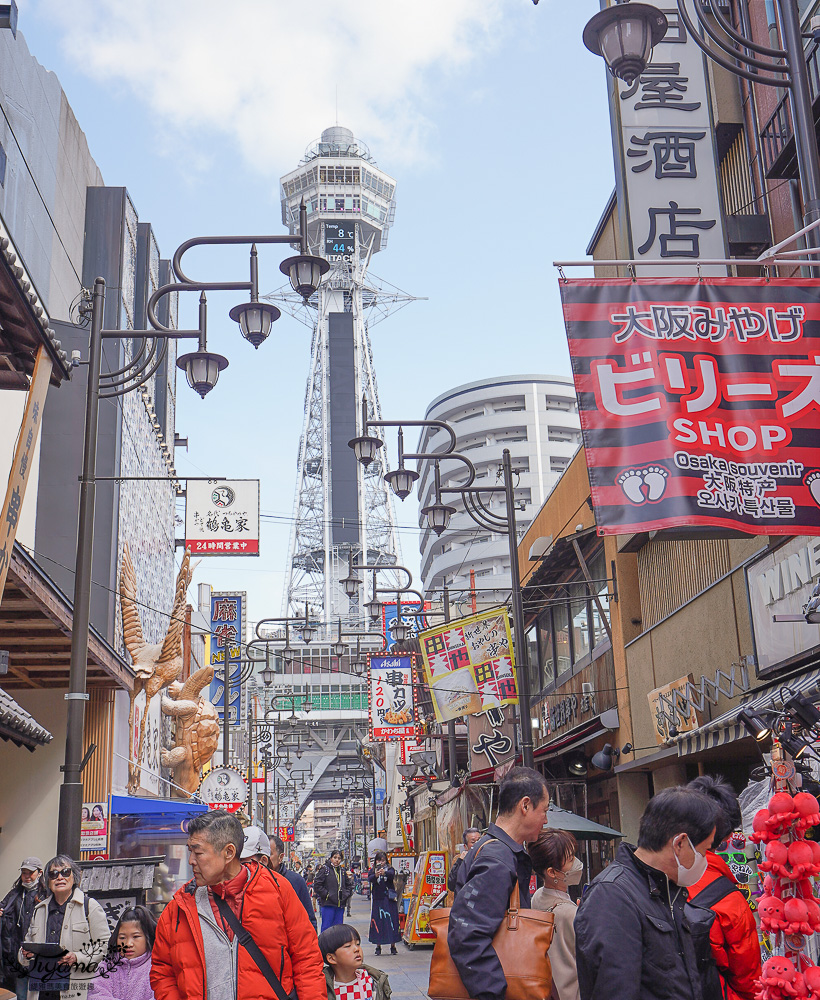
(701, 916)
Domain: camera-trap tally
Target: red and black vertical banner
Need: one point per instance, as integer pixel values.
(699, 401)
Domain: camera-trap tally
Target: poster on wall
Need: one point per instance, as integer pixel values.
(699, 401)
(391, 697)
(222, 517)
(94, 827)
(149, 762)
(469, 664)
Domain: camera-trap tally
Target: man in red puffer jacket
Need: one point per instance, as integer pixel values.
(196, 954)
(733, 935)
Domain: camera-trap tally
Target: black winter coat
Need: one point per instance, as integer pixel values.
(633, 937)
(330, 890)
(17, 907)
(485, 882)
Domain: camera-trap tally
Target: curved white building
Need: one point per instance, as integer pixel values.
(536, 417)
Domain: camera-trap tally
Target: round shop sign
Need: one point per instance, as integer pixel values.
(223, 788)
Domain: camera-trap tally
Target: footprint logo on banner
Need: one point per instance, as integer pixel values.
(812, 480)
(644, 485)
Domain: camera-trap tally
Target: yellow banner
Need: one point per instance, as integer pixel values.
(23, 458)
(469, 664)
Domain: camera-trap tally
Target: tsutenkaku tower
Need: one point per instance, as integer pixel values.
(339, 505)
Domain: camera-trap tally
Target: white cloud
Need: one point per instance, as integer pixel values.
(265, 72)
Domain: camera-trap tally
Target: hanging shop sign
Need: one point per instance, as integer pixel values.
(469, 664)
(287, 833)
(665, 155)
(491, 738)
(416, 624)
(667, 711)
(780, 583)
(699, 401)
(228, 621)
(223, 788)
(222, 517)
(391, 697)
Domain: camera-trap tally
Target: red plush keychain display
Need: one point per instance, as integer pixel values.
(788, 908)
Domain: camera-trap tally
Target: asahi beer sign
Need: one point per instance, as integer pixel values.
(222, 517)
(667, 161)
(780, 583)
(699, 401)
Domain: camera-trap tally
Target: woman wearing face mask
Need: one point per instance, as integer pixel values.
(15, 916)
(553, 858)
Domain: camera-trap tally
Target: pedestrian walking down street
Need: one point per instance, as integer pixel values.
(470, 838)
(126, 973)
(348, 978)
(276, 862)
(384, 910)
(487, 878)
(733, 935)
(75, 922)
(633, 940)
(554, 860)
(332, 887)
(197, 953)
(16, 911)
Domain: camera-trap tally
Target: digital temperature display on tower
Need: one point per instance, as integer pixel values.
(340, 240)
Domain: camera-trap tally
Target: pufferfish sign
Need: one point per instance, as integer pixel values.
(699, 401)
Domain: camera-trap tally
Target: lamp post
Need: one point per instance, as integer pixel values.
(438, 516)
(625, 33)
(202, 369)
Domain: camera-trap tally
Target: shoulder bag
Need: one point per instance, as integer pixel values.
(521, 943)
(252, 948)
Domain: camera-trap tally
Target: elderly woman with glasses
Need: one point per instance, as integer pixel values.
(76, 928)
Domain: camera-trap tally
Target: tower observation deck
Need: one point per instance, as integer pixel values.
(339, 506)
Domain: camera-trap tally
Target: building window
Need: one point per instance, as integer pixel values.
(558, 464)
(340, 204)
(563, 649)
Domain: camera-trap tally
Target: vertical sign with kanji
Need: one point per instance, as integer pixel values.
(227, 639)
(666, 157)
(391, 697)
(21, 463)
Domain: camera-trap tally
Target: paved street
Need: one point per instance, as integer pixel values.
(408, 971)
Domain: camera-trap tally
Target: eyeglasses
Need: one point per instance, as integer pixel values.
(59, 873)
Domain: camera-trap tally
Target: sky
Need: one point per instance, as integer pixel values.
(490, 114)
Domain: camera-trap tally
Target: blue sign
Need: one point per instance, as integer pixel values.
(381, 795)
(416, 624)
(226, 644)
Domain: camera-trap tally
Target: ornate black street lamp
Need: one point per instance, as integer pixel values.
(202, 368)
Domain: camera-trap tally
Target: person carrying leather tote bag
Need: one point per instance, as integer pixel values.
(521, 943)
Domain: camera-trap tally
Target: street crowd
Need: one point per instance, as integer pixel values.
(665, 921)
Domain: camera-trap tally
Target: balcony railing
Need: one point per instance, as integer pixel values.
(777, 135)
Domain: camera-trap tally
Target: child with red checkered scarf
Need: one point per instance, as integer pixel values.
(348, 978)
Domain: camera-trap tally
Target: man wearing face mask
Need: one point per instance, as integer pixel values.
(15, 916)
(553, 858)
(633, 939)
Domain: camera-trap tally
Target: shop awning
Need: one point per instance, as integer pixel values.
(140, 805)
(581, 827)
(726, 728)
(18, 726)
